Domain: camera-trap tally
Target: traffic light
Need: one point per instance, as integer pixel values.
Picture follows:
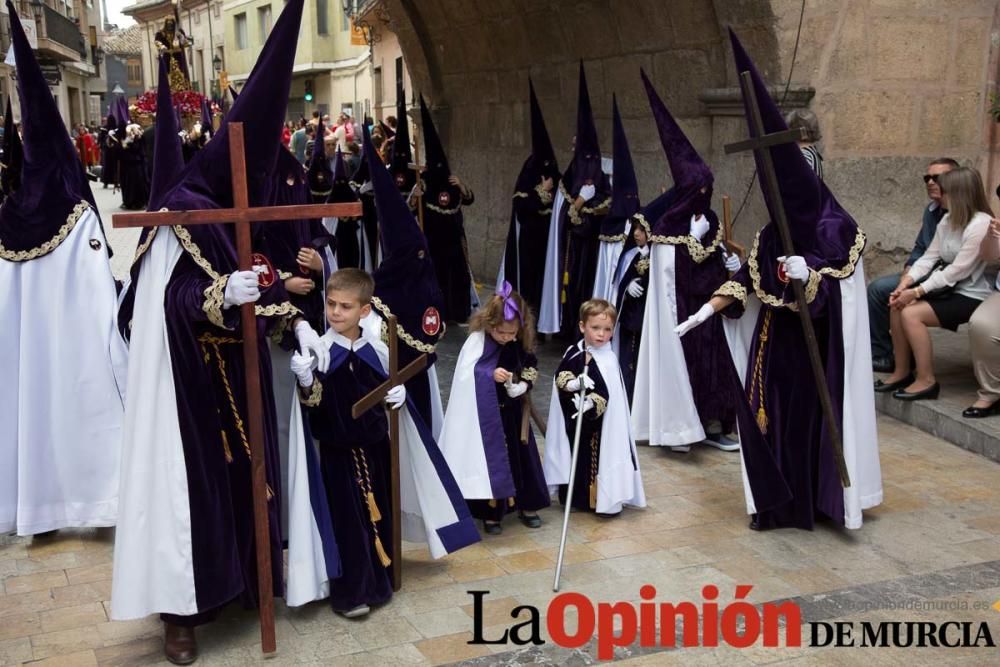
(309, 90)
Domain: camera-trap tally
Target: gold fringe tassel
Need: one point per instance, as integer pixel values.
(373, 508)
(380, 550)
(510, 501)
(593, 495)
(762, 420)
(225, 447)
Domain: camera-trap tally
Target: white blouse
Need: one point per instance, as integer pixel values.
(959, 250)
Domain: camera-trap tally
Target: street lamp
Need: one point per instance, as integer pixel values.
(217, 64)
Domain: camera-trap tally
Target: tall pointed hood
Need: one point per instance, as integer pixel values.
(402, 154)
(387, 131)
(168, 159)
(206, 116)
(13, 155)
(624, 187)
(689, 172)
(405, 281)
(123, 115)
(541, 163)
(586, 165)
(342, 190)
(319, 175)
(434, 155)
(53, 182)
(206, 180)
(362, 174)
(816, 220)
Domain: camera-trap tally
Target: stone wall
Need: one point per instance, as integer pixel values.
(896, 82)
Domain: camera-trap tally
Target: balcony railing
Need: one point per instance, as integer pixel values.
(63, 30)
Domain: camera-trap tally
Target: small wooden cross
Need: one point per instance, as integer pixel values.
(759, 144)
(242, 215)
(374, 399)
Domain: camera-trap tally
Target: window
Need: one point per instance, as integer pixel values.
(133, 70)
(240, 23)
(377, 86)
(264, 22)
(346, 16)
(217, 9)
(199, 58)
(322, 18)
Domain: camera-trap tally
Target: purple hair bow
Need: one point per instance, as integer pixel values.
(510, 309)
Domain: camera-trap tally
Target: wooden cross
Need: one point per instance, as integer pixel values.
(241, 215)
(415, 166)
(759, 144)
(727, 229)
(373, 400)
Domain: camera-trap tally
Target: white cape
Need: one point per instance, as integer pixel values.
(63, 380)
(550, 310)
(619, 482)
(860, 432)
(607, 263)
(663, 409)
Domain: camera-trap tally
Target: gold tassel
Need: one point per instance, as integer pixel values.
(380, 550)
(762, 419)
(493, 502)
(593, 495)
(510, 501)
(565, 277)
(373, 508)
(225, 448)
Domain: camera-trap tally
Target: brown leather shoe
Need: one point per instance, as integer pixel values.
(179, 644)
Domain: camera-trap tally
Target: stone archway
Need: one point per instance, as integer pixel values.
(471, 60)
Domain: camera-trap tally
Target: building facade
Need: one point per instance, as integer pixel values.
(67, 36)
(123, 62)
(202, 22)
(329, 64)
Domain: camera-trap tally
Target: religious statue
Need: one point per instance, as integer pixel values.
(170, 42)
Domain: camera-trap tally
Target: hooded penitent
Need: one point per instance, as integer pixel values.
(531, 207)
(185, 544)
(444, 224)
(624, 204)
(402, 155)
(319, 175)
(406, 286)
(352, 247)
(361, 183)
(684, 272)
(790, 476)
(571, 253)
(63, 363)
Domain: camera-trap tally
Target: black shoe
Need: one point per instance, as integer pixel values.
(530, 521)
(979, 413)
(492, 528)
(883, 364)
(885, 387)
(930, 393)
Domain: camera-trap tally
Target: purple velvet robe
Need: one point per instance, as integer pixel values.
(579, 245)
(444, 228)
(631, 312)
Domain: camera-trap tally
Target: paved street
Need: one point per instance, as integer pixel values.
(934, 545)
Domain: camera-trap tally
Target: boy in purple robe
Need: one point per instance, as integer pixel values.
(354, 453)
(790, 475)
(498, 470)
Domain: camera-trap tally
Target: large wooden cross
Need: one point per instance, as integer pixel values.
(242, 215)
(759, 144)
(374, 399)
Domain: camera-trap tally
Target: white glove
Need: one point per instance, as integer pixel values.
(644, 250)
(587, 405)
(515, 389)
(699, 226)
(587, 192)
(574, 384)
(795, 267)
(700, 317)
(302, 367)
(310, 343)
(634, 289)
(366, 187)
(732, 261)
(396, 396)
(241, 288)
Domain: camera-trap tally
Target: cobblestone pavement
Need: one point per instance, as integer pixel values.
(929, 553)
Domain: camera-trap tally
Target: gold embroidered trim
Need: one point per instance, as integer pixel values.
(284, 275)
(603, 207)
(641, 219)
(444, 211)
(315, 394)
(184, 236)
(320, 193)
(141, 250)
(811, 286)
(617, 238)
(696, 250)
(544, 196)
(642, 266)
(600, 403)
(417, 345)
(546, 211)
(733, 289)
(50, 245)
(215, 295)
(855, 253)
(529, 374)
(519, 195)
(563, 378)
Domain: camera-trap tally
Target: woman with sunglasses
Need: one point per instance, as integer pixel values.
(943, 288)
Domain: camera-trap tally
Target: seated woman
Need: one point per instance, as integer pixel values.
(943, 288)
(984, 336)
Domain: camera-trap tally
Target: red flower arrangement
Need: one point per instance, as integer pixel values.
(187, 101)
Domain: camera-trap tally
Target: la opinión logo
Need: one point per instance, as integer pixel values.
(739, 624)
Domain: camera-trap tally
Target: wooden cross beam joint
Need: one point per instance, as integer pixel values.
(241, 214)
(760, 144)
(396, 377)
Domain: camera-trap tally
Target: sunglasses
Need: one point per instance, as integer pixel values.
(930, 177)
